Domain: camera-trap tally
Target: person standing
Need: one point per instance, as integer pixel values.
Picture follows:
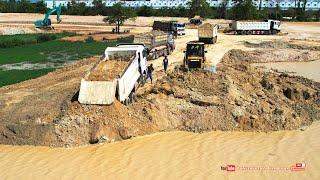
(165, 63)
(149, 72)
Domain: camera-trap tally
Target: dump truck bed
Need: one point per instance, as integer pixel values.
(99, 86)
(250, 25)
(107, 70)
(117, 76)
(152, 39)
(207, 31)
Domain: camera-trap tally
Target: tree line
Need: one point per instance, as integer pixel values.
(243, 10)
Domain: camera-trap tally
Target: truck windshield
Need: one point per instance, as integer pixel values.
(179, 25)
(195, 50)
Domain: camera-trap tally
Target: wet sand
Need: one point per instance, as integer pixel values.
(309, 70)
(173, 155)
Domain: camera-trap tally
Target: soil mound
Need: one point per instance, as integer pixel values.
(237, 97)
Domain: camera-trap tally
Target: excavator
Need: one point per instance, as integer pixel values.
(45, 24)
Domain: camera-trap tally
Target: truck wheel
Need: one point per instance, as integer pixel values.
(131, 97)
(249, 32)
(274, 32)
(126, 101)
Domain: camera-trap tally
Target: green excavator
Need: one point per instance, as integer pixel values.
(45, 24)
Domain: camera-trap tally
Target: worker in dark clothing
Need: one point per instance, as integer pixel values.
(165, 63)
(149, 72)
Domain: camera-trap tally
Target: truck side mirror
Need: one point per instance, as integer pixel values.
(205, 51)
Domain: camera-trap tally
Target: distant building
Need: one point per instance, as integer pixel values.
(283, 4)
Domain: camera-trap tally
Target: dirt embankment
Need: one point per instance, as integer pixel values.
(45, 111)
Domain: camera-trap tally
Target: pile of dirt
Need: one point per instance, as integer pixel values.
(28, 109)
(237, 97)
(107, 70)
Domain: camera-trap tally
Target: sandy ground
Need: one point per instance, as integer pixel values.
(174, 155)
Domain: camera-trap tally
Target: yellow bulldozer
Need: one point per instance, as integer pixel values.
(195, 55)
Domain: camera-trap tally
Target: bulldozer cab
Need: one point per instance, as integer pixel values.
(195, 55)
(195, 49)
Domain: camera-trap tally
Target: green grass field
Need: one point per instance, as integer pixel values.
(53, 51)
(9, 41)
(15, 76)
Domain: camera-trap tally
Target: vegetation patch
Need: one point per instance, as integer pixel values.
(49, 54)
(9, 41)
(15, 76)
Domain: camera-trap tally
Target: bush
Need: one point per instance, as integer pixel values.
(90, 39)
(16, 41)
(46, 37)
(245, 10)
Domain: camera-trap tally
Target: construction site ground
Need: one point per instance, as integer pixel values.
(45, 111)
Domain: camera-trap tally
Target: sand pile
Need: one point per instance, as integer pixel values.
(107, 70)
(237, 97)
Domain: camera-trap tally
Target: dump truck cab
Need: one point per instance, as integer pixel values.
(195, 55)
(197, 20)
(274, 26)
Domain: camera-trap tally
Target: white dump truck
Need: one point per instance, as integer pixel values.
(158, 43)
(208, 33)
(255, 27)
(117, 76)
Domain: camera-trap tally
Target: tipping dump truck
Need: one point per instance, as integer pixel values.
(172, 27)
(208, 33)
(251, 27)
(158, 43)
(195, 55)
(117, 76)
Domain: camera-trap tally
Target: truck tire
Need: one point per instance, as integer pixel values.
(126, 101)
(133, 97)
(274, 31)
(249, 33)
